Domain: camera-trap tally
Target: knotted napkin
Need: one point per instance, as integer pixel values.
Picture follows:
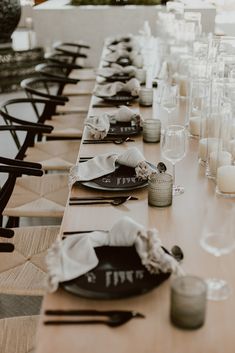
(117, 69)
(70, 258)
(135, 56)
(99, 125)
(131, 45)
(106, 163)
(111, 89)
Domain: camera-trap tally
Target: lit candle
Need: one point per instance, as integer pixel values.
(195, 123)
(226, 179)
(217, 160)
(206, 146)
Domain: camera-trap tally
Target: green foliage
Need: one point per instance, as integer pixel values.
(115, 2)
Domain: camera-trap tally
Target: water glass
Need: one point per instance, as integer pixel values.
(160, 188)
(152, 130)
(188, 302)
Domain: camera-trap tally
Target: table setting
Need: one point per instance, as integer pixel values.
(130, 254)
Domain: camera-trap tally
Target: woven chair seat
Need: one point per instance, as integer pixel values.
(67, 126)
(23, 272)
(54, 155)
(18, 334)
(82, 88)
(83, 75)
(77, 104)
(38, 197)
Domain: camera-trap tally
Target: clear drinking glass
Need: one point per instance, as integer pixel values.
(218, 238)
(173, 148)
(169, 100)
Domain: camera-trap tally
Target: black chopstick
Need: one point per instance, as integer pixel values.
(82, 231)
(83, 312)
(90, 198)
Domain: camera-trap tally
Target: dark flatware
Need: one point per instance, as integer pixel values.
(110, 105)
(82, 231)
(116, 140)
(6, 247)
(84, 159)
(115, 318)
(115, 202)
(101, 198)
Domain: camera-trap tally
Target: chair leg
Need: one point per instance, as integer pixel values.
(13, 222)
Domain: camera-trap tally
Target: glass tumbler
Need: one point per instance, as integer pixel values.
(160, 188)
(152, 130)
(188, 302)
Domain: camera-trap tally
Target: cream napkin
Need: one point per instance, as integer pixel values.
(70, 258)
(135, 56)
(116, 69)
(99, 125)
(132, 44)
(106, 163)
(111, 89)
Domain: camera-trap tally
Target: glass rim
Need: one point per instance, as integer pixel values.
(180, 291)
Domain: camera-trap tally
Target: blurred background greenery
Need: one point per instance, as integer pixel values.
(117, 2)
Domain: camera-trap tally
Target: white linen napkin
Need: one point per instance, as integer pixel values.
(111, 89)
(106, 163)
(116, 69)
(99, 125)
(70, 258)
(132, 44)
(135, 57)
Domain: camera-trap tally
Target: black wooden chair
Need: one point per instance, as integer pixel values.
(31, 197)
(54, 155)
(52, 88)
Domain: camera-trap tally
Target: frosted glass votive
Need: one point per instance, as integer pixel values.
(188, 302)
(146, 97)
(226, 180)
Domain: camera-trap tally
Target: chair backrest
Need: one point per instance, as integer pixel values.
(62, 59)
(45, 87)
(55, 70)
(34, 113)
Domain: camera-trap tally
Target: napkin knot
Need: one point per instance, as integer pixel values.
(70, 258)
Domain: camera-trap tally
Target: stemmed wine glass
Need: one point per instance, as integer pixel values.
(218, 238)
(173, 147)
(169, 99)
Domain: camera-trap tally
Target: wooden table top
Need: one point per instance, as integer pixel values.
(181, 224)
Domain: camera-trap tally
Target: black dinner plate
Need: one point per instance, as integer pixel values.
(114, 278)
(118, 77)
(122, 179)
(119, 98)
(124, 129)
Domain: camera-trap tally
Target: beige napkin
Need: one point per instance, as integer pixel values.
(116, 69)
(135, 56)
(106, 163)
(132, 44)
(99, 125)
(70, 258)
(111, 89)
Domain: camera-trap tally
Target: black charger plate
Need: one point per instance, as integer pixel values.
(119, 98)
(122, 179)
(114, 278)
(122, 130)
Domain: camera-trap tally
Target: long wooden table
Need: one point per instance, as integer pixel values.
(180, 224)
